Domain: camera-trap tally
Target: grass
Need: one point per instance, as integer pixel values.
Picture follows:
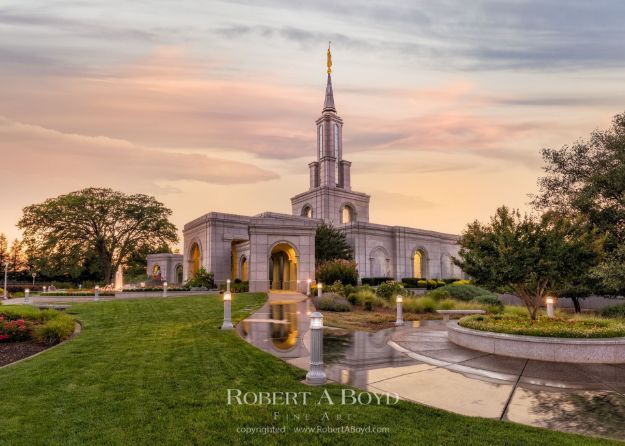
(558, 327)
(155, 371)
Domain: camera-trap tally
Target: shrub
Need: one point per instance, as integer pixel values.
(449, 280)
(14, 329)
(55, 330)
(202, 278)
(422, 283)
(488, 299)
(413, 282)
(419, 305)
(332, 302)
(367, 298)
(389, 289)
(462, 282)
(617, 310)
(375, 281)
(337, 270)
(460, 292)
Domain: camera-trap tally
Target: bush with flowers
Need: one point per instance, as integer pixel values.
(23, 322)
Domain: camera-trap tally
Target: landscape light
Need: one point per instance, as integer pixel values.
(26, 296)
(227, 325)
(316, 375)
(400, 311)
(97, 293)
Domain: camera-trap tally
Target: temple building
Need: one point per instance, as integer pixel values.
(277, 251)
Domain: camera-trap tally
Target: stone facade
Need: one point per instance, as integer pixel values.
(277, 251)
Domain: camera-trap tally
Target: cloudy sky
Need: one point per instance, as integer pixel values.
(211, 105)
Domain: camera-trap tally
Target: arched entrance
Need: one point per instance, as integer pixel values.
(156, 272)
(194, 263)
(283, 267)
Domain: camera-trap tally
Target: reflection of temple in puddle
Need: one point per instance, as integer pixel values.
(282, 328)
(351, 357)
(279, 328)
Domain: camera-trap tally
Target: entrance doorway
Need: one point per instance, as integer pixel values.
(283, 267)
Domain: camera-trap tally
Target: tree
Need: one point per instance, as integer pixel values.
(587, 179)
(331, 244)
(4, 251)
(17, 257)
(63, 233)
(527, 256)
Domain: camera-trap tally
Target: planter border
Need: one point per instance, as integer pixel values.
(573, 350)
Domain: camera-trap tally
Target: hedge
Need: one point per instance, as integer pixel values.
(375, 281)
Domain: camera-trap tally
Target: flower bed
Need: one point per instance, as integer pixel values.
(585, 327)
(20, 323)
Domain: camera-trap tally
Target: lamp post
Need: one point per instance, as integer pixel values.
(164, 289)
(228, 285)
(34, 276)
(26, 296)
(5, 294)
(400, 311)
(227, 325)
(319, 289)
(316, 375)
(550, 302)
(308, 287)
(97, 293)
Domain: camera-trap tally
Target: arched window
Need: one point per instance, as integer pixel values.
(347, 214)
(307, 211)
(156, 272)
(336, 153)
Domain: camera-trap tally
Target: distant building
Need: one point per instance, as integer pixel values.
(277, 251)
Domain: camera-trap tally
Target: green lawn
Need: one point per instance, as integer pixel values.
(155, 371)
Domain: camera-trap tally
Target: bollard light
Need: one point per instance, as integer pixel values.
(164, 289)
(400, 311)
(228, 285)
(26, 296)
(550, 302)
(227, 325)
(319, 289)
(316, 374)
(308, 287)
(45, 288)
(96, 293)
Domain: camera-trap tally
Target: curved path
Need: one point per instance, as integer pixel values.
(420, 364)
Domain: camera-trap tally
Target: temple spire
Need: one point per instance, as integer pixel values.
(328, 105)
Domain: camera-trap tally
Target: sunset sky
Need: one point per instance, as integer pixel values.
(210, 106)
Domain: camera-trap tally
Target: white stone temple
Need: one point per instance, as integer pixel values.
(277, 251)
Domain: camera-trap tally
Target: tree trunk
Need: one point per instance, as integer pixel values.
(576, 304)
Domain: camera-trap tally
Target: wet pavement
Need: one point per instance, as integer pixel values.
(419, 363)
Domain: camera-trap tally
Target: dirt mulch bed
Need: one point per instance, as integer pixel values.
(14, 351)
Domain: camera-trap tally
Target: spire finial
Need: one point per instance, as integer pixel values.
(329, 58)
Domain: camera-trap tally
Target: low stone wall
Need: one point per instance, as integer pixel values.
(574, 350)
(589, 303)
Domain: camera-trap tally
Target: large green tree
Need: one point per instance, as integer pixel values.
(587, 180)
(93, 228)
(529, 257)
(331, 244)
